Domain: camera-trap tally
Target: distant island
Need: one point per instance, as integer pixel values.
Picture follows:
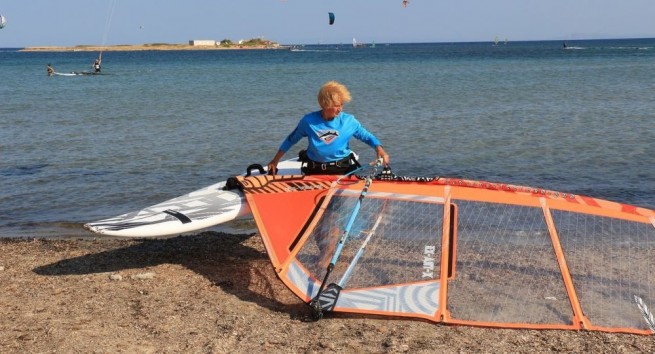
(256, 43)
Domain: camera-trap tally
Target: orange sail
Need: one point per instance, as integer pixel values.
(462, 252)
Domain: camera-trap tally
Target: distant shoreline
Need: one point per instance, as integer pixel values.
(269, 45)
(142, 47)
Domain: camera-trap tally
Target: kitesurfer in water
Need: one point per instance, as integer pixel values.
(328, 133)
(51, 70)
(96, 65)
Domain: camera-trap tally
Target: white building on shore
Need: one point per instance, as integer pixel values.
(203, 42)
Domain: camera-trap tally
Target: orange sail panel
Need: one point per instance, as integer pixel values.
(284, 205)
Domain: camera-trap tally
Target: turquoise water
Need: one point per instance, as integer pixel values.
(161, 124)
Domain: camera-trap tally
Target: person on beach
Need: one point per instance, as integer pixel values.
(328, 133)
(51, 70)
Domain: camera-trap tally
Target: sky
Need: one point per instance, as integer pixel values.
(112, 22)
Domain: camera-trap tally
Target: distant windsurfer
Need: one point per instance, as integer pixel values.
(51, 70)
(564, 45)
(328, 133)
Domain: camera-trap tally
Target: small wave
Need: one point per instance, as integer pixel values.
(627, 48)
(86, 172)
(313, 50)
(27, 170)
(608, 48)
(45, 229)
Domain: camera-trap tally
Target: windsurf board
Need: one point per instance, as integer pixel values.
(197, 210)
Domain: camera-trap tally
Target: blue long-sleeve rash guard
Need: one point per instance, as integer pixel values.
(329, 140)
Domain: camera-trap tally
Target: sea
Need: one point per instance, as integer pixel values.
(160, 124)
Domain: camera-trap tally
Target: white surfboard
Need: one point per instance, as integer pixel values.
(197, 210)
(64, 74)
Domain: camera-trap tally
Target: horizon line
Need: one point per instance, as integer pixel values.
(344, 43)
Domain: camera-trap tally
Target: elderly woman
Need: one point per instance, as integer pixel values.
(328, 133)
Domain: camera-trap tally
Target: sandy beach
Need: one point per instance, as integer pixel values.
(214, 293)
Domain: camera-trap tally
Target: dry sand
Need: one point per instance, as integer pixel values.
(214, 293)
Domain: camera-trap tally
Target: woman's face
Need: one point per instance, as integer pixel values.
(330, 112)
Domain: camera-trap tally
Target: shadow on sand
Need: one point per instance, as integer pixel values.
(221, 258)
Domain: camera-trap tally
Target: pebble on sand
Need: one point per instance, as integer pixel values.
(144, 276)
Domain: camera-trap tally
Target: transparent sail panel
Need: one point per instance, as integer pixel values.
(610, 261)
(506, 270)
(391, 242)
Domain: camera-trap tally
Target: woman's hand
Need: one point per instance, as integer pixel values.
(382, 155)
(272, 166)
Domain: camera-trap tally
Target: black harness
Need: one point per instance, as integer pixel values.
(340, 167)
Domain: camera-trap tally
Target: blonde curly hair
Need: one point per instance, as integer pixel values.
(332, 94)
